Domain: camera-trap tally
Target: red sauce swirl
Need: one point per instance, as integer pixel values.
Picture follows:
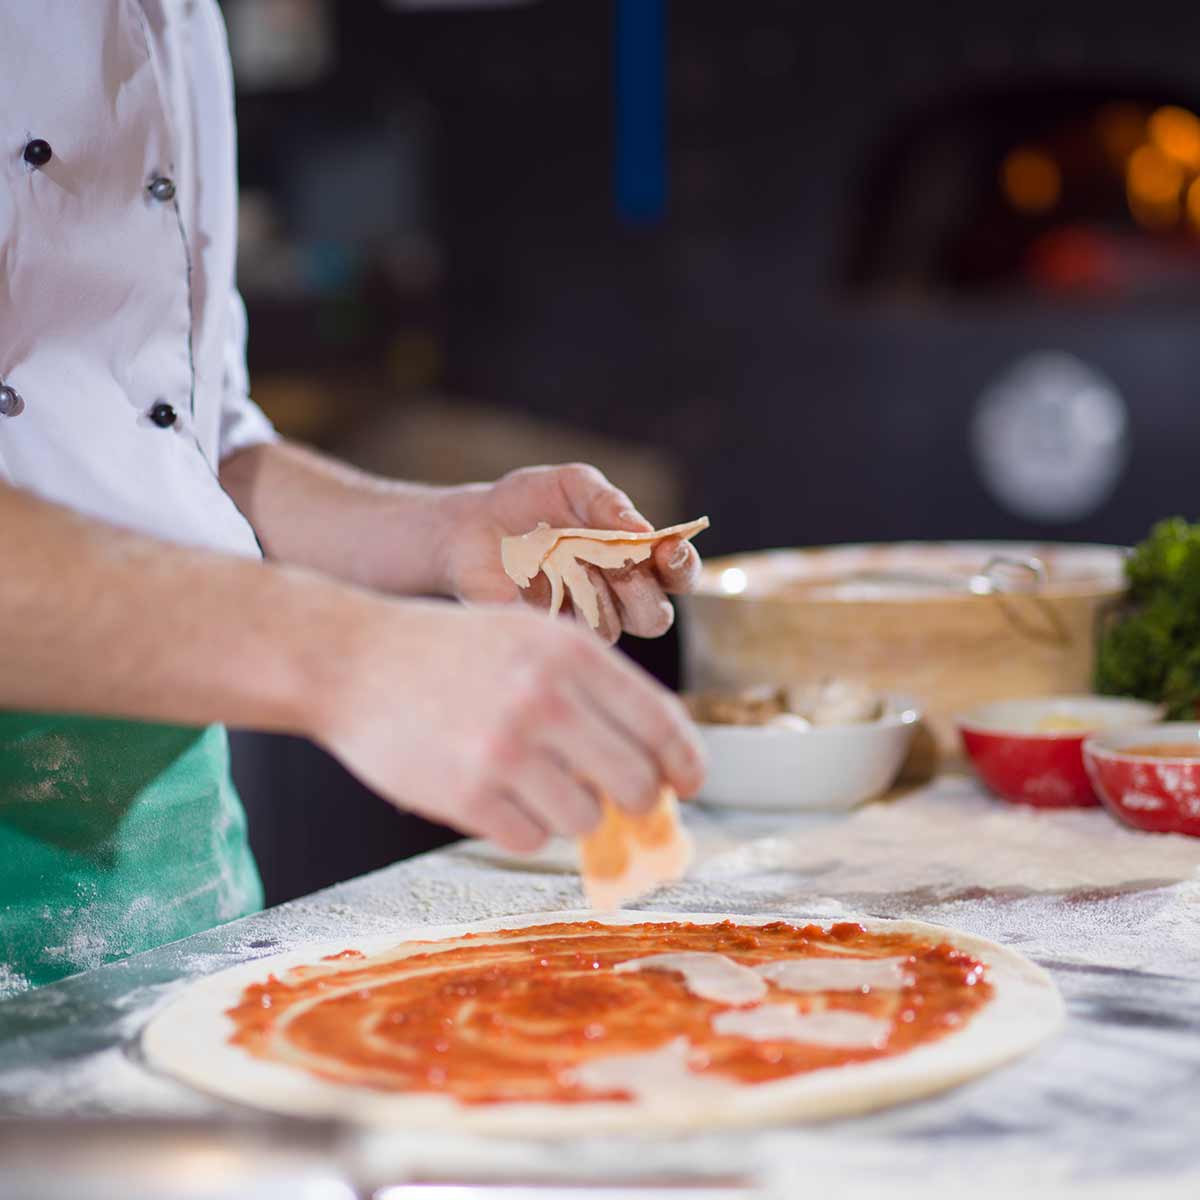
(507, 1016)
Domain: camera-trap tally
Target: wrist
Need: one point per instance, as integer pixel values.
(360, 656)
(331, 637)
(456, 511)
(411, 537)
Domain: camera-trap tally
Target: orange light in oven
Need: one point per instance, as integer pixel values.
(1193, 204)
(1176, 132)
(1031, 180)
(1121, 129)
(1153, 183)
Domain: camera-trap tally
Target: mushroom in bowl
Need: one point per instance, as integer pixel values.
(825, 746)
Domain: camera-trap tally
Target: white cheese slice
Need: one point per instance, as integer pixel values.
(650, 1074)
(559, 553)
(837, 974)
(628, 854)
(709, 976)
(782, 1023)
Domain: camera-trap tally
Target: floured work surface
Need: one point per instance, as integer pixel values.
(1106, 1108)
(1070, 885)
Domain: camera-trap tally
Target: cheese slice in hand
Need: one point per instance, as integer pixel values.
(560, 555)
(628, 855)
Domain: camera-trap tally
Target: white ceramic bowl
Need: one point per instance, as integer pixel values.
(826, 767)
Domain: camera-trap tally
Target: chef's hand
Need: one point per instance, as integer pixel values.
(632, 600)
(491, 719)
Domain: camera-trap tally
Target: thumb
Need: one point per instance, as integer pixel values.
(599, 504)
(487, 587)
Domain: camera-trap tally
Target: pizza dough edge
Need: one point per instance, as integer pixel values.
(187, 1040)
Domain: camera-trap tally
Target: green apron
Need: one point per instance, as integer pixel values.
(115, 836)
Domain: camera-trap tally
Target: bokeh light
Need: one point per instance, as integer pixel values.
(1121, 129)
(1031, 179)
(733, 581)
(1193, 204)
(1176, 133)
(1154, 183)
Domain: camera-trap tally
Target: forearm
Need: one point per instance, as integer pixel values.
(97, 620)
(312, 511)
(484, 718)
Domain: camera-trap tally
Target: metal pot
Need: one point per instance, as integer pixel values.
(952, 624)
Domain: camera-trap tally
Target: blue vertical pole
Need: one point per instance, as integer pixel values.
(640, 166)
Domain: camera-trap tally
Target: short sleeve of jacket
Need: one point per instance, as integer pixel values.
(243, 423)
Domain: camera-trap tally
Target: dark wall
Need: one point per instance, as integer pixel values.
(807, 405)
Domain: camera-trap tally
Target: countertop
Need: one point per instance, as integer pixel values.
(1109, 1107)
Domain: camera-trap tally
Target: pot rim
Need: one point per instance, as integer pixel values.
(713, 585)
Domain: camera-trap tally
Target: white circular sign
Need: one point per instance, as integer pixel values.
(1051, 438)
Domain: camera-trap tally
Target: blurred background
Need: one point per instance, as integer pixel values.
(921, 271)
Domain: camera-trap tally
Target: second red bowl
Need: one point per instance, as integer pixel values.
(1149, 778)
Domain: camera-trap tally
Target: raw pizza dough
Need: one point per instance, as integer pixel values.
(189, 1040)
(559, 553)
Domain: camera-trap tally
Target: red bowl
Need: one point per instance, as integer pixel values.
(1159, 793)
(1017, 752)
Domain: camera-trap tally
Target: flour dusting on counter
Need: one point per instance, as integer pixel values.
(1085, 1117)
(12, 982)
(1073, 885)
(949, 839)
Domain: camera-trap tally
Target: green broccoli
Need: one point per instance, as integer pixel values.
(1153, 649)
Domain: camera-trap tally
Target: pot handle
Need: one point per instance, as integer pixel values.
(987, 583)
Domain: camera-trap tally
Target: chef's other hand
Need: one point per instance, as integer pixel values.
(491, 720)
(632, 600)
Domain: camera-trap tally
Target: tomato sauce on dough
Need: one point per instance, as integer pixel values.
(499, 1017)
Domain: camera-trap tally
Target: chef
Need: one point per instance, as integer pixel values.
(171, 566)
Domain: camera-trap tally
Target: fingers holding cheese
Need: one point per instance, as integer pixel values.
(647, 716)
(495, 813)
(596, 502)
(607, 756)
(555, 796)
(677, 566)
(611, 614)
(561, 554)
(641, 606)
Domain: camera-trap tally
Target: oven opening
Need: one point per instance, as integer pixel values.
(1051, 191)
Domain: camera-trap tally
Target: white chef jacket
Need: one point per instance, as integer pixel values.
(117, 295)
